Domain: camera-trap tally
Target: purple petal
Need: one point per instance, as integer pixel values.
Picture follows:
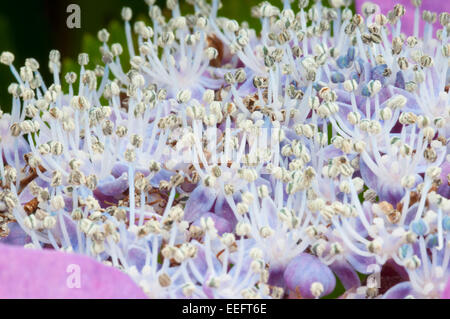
(360, 263)
(304, 270)
(202, 265)
(389, 192)
(276, 278)
(111, 186)
(222, 225)
(16, 237)
(136, 257)
(200, 201)
(329, 152)
(71, 229)
(346, 274)
(26, 273)
(119, 169)
(163, 174)
(200, 261)
(247, 88)
(444, 189)
(411, 214)
(188, 187)
(399, 291)
(223, 209)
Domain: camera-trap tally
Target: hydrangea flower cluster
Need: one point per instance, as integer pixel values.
(224, 163)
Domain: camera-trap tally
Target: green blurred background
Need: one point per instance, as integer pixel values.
(31, 28)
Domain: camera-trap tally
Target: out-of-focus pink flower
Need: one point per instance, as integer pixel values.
(446, 293)
(437, 6)
(46, 274)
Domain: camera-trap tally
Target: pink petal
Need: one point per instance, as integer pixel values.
(47, 274)
(446, 293)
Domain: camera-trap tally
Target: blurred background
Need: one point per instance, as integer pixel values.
(31, 28)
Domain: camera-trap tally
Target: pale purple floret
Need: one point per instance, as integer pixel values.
(306, 270)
